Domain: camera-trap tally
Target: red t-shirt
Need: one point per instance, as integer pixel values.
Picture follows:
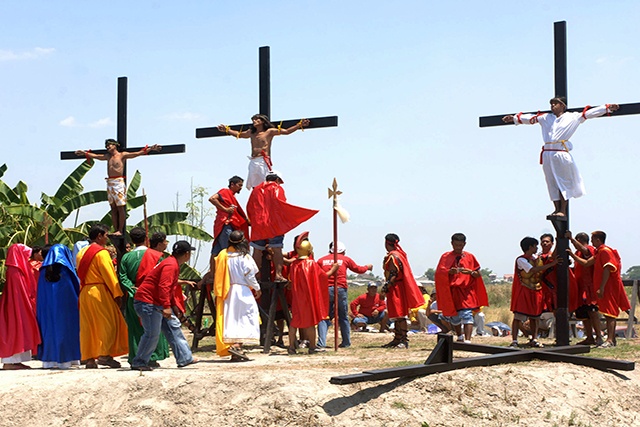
(326, 262)
(365, 304)
(158, 286)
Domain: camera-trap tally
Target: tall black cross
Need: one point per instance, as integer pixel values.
(561, 224)
(265, 104)
(122, 140)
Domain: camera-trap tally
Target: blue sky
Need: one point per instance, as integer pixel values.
(408, 81)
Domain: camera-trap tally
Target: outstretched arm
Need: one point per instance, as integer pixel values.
(89, 155)
(300, 125)
(226, 129)
(126, 155)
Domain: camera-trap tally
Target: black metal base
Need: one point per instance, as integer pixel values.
(441, 360)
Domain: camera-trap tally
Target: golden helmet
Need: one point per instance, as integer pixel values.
(304, 249)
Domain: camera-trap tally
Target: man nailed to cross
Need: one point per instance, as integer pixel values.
(560, 171)
(261, 133)
(116, 189)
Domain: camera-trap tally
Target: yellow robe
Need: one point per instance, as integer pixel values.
(221, 287)
(103, 331)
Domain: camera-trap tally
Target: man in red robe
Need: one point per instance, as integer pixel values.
(459, 287)
(610, 293)
(229, 215)
(310, 295)
(526, 291)
(587, 310)
(19, 332)
(401, 290)
(271, 217)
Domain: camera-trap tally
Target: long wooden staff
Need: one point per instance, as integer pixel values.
(146, 221)
(334, 193)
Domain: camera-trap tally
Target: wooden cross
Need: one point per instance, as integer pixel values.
(561, 224)
(122, 140)
(265, 105)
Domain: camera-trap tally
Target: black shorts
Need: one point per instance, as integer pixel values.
(583, 311)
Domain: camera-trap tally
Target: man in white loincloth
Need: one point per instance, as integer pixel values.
(237, 315)
(560, 171)
(261, 133)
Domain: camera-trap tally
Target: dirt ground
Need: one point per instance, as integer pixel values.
(281, 390)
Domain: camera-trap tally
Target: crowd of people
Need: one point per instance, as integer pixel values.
(65, 309)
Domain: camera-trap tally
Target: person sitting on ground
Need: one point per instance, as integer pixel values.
(419, 314)
(369, 309)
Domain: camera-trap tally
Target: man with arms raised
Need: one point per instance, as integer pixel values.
(116, 189)
(261, 133)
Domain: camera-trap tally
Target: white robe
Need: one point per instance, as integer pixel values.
(258, 170)
(560, 171)
(241, 315)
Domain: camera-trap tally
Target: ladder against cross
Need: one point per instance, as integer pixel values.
(265, 105)
(561, 224)
(122, 141)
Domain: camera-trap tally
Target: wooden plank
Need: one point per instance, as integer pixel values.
(166, 149)
(314, 122)
(593, 362)
(625, 110)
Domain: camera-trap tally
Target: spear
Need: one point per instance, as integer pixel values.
(344, 217)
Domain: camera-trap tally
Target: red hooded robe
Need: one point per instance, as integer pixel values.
(18, 325)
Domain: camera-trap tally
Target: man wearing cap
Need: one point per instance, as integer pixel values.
(237, 315)
(460, 287)
(116, 189)
(229, 215)
(401, 290)
(103, 331)
(345, 263)
(261, 133)
(369, 308)
(153, 302)
(271, 217)
(560, 171)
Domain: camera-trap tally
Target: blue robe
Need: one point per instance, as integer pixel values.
(57, 309)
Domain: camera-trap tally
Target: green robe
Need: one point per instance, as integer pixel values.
(127, 275)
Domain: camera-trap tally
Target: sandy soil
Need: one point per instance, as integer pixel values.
(281, 390)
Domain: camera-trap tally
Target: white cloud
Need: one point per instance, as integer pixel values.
(69, 122)
(101, 123)
(185, 116)
(35, 53)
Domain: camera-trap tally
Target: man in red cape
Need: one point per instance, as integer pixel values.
(610, 293)
(460, 287)
(271, 217)
(587, 310)
(310, 294)
(526, 291)
(401, 290)
(19, 332)
(229, 215)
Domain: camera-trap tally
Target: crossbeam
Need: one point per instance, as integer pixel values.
(625, 110)
(166, 149)
(314, 123)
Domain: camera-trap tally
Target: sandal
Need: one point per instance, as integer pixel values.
(108, 361)
(535, 344)
(239, 354)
